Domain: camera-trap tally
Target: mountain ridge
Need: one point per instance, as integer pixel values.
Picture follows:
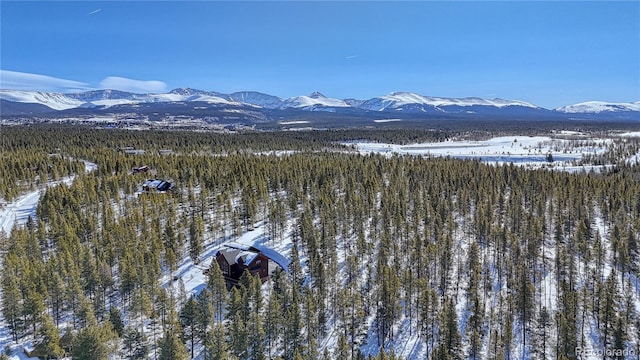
(401, 102)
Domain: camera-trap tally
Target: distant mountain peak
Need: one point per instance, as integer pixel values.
(596, 107)
(399, 93)
(400, 102)
(186, 91)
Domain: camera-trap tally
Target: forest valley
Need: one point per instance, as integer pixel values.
(391, 256)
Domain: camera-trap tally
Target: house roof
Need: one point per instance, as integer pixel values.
(233, 256)
(269, 253)
(246, 256)
(274, 255)
(239, 246)
(157, 184)
(229, 255)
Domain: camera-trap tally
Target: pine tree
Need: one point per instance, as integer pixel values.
(342, 350)
(48, 345)
(388, 306)
(619, 339)
(116, 321)
(188, 320)
(273, 317)
(428, 314)
(256, 337)
(134, 343)
(33, 307)
(94, 342)
(12, 307)
(543, 323)
(55, 288)
(215, 344)
(524, 300)
(292, 327)
(171, 246)
(610, 309)
(218, 288)
(450, 342)
(474, 303)
(237, 324)
(196, 231)
(204, 313)
(85, 314)
(566, 321)
(172, 348)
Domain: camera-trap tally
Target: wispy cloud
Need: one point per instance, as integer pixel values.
(16, 80)
(351, 56)
(94, 11)
(131, 85)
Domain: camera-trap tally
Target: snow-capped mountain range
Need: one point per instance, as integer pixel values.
(599, 107)
(397, 102)
(407, 100)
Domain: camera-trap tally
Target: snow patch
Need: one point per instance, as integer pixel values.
(386, 120)
(295, 122)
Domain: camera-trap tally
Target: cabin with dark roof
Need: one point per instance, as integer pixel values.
(141, 169)
(233, 262)
(156, 185)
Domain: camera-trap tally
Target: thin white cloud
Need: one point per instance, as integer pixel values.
(351, 56)
(136, 86)
(94, 11)
(16, 80)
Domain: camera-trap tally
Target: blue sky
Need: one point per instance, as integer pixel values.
(547, 53)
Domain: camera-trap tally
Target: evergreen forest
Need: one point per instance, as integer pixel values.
(391, 257)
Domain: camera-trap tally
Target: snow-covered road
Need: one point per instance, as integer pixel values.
(18, 211)
(25, 205)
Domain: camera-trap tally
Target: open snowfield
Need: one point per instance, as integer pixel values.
(386, 120)
(630, 134)
(528, 151)
(295, 122)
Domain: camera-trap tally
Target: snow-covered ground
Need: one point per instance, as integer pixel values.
(386, 120)
(528, 151)
(295, 122)
(192, 276)
(630, 134)
(18, 211)
(634, 159)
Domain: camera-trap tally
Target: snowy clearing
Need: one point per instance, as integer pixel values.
(528, 151)
(296, 122)
(386, 120)
(630, 134)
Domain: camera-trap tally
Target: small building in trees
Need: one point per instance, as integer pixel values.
(156, 185)
(234, 258)
(130, 150)
(233, 262)
(140, 169)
